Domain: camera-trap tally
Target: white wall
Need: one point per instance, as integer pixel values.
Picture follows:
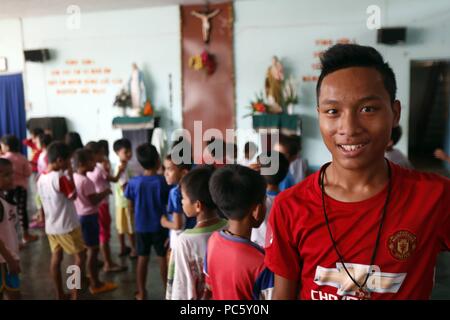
(116, 39)
(11, 44)
(289, 28)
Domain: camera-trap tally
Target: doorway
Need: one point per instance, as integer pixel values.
(429, 114)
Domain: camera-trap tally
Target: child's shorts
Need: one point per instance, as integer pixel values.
(8, 282)
(124, 221)
(145, 241)
(104, 221)
(72, 242)
(90, 229)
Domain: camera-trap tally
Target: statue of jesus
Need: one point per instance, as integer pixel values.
(206, 26)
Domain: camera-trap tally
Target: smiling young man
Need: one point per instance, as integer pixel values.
(362, 227)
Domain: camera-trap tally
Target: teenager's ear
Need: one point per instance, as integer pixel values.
(397, 110)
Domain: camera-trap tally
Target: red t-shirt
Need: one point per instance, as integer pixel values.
(234, 269)
(416, 228)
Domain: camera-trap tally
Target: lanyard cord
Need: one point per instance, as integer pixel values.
(322, 186)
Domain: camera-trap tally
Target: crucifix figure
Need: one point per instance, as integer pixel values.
(206, 26)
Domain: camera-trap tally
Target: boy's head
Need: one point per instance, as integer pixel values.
(84, 160)
(35, 133)
(290, 146)
(6, 175)
(73, 140)
(148, 156)
(58, 154)
(283, 168)
(239, 193)
(45, 140)
(10, 143)
(356, 105)
(96, 150)
(174, 172)
(122, 148)
(250, 149)
(195, 191)
(104, 146)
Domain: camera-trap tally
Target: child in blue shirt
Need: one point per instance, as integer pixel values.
(148, 194)
(176, 220)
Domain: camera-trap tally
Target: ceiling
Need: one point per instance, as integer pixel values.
(33, 8)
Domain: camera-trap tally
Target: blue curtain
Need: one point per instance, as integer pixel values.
(12, 107)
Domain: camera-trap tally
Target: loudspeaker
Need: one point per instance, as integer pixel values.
(39, 55)
(391, 35)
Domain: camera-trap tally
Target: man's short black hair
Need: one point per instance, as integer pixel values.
(292, 144)
(12, 142)
(342, 56)
(120, 144)
(81, 157)
(235, 189)
(196, 185)
(45, 139)
(396, 134)
(5, 163)
(147, 156)
(283, 168)
(36, 132)
(104, 146)
(58, 149)
(94, 147)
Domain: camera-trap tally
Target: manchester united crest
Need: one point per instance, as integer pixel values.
(402, 244)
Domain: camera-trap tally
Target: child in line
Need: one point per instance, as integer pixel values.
(148, 194)
(124, 217)
(272, 190)
(10, 146)
(73, 140)
(234, 266)
(9, 245)
(87, 203)
(393, 154)
(57, 193)
(290, 146)
(33, 144)
(175, 220)
(250, 151)
(42, 164)
(101, 178)
(186, 280)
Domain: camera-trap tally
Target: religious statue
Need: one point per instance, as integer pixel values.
(136, 88)
(206, 26)
(274, 86)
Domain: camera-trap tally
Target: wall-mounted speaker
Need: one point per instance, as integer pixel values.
(391, 35)
(39, 55)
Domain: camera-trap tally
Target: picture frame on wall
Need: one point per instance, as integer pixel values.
(3, 64)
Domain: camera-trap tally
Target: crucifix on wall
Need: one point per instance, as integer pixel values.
(206, 26)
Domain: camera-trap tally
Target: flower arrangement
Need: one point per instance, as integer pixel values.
(289, 92)
(123, 100)
(204, 61)
(258, 105)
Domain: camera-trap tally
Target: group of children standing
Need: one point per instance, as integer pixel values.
(173, 207)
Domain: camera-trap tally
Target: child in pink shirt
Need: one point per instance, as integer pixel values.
(86, 204)
(10, 146)
(101, 179)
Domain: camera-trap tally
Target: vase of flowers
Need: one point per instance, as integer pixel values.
(290, 96)
(123, 100)
(258, 106)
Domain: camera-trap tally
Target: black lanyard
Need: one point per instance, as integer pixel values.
(361, 292)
